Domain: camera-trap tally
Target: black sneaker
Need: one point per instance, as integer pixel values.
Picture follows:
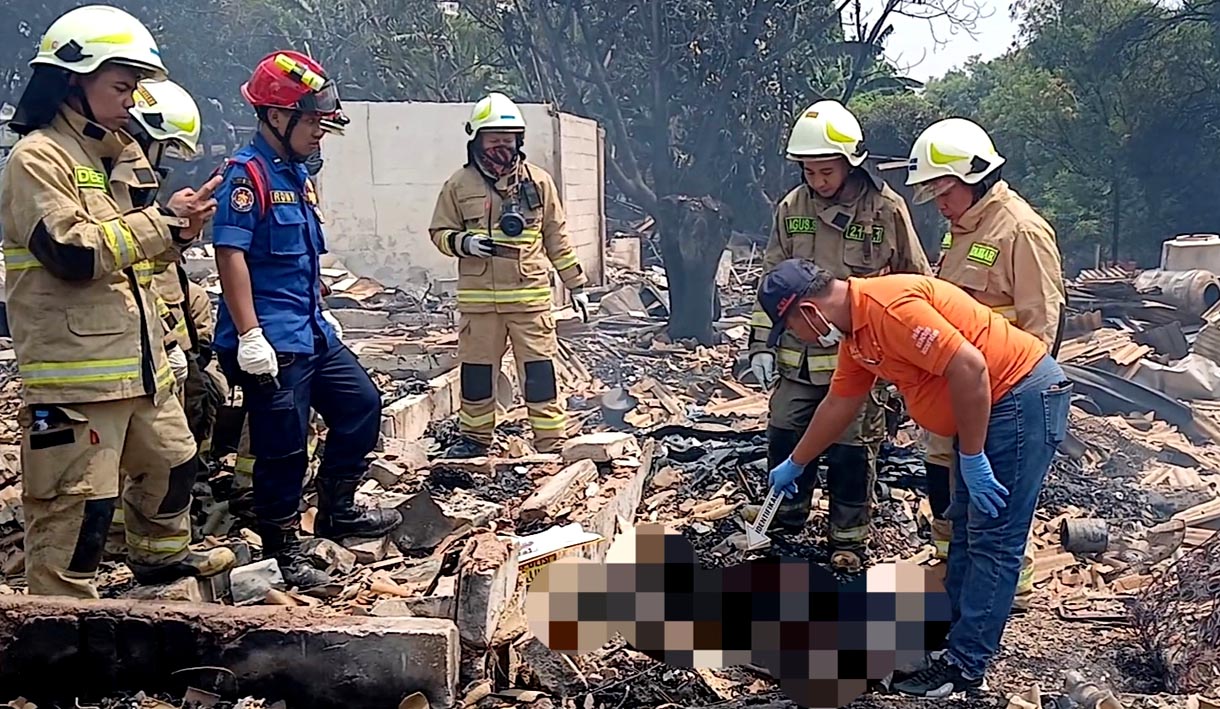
(936, 681)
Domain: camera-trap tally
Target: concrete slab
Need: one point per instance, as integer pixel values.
(409, 417)
(487, 579)
(307, 658)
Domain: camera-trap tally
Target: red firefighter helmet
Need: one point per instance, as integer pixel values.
(292, 81)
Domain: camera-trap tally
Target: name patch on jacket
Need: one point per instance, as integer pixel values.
(283, 197)
(88, 178)
(801, 225)
(856, 232)
(985, 254)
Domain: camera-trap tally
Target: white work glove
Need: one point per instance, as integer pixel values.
(475, 245)
(334, 322)
(581, 300)
(255, 355)
(762, 364)
(177, 362)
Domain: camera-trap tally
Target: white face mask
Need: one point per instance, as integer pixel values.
(833, 335)
(831, 338)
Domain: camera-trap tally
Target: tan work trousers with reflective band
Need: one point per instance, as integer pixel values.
(74, 463)
(483, 338)
(940, 452)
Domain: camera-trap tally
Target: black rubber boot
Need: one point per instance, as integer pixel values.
(339, 516)
(467, 448)
(281, 542)
(793, 512)
(849, 484)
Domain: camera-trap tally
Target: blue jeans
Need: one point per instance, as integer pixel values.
(332, 382)
(1026, 426)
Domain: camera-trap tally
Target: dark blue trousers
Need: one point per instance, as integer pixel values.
(332, 382)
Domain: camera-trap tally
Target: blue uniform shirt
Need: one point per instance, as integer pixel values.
(281, 250)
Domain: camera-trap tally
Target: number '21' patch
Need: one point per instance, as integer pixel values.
(985, 254)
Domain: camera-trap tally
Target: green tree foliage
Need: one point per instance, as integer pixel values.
(1108, 116)
(697, 97)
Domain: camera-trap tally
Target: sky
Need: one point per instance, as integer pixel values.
(912, 41)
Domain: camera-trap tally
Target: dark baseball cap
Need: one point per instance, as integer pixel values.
(781, 288)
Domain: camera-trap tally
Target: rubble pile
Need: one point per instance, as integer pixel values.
(674, 432)
(1178, 620)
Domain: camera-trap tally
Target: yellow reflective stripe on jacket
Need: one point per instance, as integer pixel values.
(817, 363)
(19, 259)
(145, 270)
(758, 318)
(1008, 312)
(946, 241)
(548, 423)
(165, 377)
(566, 261)
(442, 241)
(503, 297)
(528, 236)
(36, 374)
(122, 244)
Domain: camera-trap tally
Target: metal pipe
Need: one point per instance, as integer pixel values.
(1194, 291)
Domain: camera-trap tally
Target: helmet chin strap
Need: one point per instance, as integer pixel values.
(285, 138)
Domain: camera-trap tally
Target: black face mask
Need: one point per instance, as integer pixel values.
(498, 161)
(313, 163)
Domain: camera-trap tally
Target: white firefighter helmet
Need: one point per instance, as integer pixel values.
(495, 112)
(953, 147)
(81, 40)
(168, 114)
(827, 129)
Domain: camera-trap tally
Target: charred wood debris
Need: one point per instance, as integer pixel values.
(1128, 562)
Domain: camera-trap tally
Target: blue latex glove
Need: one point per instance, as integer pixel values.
(986, 493)
(783, 476)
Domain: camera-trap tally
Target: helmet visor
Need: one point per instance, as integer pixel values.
(324, 100)
(927, 191)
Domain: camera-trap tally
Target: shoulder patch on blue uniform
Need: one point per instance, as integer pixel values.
(283, 197)
(240, 181)
(242, 199)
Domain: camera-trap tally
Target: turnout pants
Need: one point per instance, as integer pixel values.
(483, 339)
(71, 458)
(850, 463)
(941, 465)
(201, 396)
(1027, 424)
(331, 382)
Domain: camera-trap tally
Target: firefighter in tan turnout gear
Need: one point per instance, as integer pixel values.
(98, 391)
(852, 224)
(165, 121)
(999, 250)
(500, 216)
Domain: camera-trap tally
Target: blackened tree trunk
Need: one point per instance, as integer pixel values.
(693, 234)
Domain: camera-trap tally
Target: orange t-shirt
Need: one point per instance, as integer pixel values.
(905, 330)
